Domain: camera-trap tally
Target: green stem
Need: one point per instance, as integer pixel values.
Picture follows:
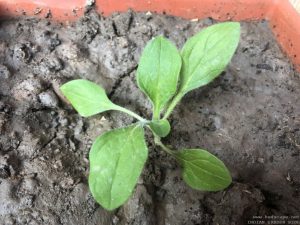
(119, 108)
(160, 144)
(172, 105)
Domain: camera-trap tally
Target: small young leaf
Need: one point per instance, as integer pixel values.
(116, 162)
(202, 170)
(86, 97)
(158, 72)
(160, 127)
(206, 54)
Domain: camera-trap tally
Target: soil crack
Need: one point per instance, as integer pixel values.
(36, 152)
(119, 80)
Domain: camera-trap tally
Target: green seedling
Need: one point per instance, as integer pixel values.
(118, 156)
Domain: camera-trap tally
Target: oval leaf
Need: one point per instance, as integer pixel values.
(116, 162)
(206, 54)
(203, 171)
(158, 72)
(86, 97)
(161, 127)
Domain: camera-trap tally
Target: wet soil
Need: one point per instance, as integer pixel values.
(249, 117)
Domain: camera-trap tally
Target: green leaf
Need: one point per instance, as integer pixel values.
(87, 97)
(116, 162)
(206, 54)
(160, 127)
(202, 170)
(158, 72)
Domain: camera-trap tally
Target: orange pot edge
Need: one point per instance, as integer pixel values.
(284, 20)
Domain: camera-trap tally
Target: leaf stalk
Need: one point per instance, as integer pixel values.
(158, 142)
(173, 104)
(133, 114)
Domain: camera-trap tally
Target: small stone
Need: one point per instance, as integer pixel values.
(48, 99)
(48, 14)
(79, 127)
(261, 160)
(90, 2)
(115, 220)
(123, 42)
(58, 164)
(289, 178)
(37, 11)
(4, 72)
(194, 20)
(72, 144)
(85, 160)
(67, 183)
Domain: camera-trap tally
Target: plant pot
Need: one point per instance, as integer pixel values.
(248, 116)
(284, 19)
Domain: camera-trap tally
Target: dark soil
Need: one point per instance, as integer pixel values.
(249, 117)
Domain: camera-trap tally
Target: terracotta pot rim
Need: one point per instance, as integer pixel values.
(284, 19)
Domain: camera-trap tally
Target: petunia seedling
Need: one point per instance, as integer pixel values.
(164, 75)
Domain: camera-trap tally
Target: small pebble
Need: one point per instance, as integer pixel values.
(63, 121)
(261, 160)
(48, 99)
(90, 2)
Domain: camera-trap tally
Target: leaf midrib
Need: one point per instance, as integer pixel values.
(119, 156)
(205, 171)
(158, 79)
(200, 62)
